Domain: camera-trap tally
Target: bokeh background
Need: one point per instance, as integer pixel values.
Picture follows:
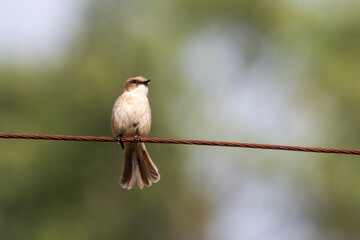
(277, 72)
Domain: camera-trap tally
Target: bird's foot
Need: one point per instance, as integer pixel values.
(120, 141)
(137, 138)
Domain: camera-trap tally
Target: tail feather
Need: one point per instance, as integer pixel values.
(132, 181)
(127, 179)
(139, 178)
(141, 172)
(152, 170)
(138, 165)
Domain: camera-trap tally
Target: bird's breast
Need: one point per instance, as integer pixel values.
(131, 115)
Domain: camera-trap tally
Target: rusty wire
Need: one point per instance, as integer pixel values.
(179, 141)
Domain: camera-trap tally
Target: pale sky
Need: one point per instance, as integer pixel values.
(37, 29)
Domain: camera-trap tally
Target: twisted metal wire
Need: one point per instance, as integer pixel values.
(179, 141)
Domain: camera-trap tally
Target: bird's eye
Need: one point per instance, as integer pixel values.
(135, 81)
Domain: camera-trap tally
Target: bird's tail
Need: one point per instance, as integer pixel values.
(138, 165)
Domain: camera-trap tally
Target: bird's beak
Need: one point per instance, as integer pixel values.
(147, 82)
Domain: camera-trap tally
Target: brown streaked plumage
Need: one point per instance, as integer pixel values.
(131, 116)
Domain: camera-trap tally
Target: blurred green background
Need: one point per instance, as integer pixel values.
(277, 72)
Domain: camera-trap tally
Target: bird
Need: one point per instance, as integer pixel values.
(131, 117)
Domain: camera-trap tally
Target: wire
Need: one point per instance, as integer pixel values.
(179, 141)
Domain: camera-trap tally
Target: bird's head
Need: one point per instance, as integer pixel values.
(138, 83)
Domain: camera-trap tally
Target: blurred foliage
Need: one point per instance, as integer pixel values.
(70, 190)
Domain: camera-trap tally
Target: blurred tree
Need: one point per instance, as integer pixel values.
(69, 190)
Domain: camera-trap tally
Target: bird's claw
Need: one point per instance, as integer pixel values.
(137, 138)
(120, 141)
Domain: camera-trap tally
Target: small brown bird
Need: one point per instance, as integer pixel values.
(131, 117)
